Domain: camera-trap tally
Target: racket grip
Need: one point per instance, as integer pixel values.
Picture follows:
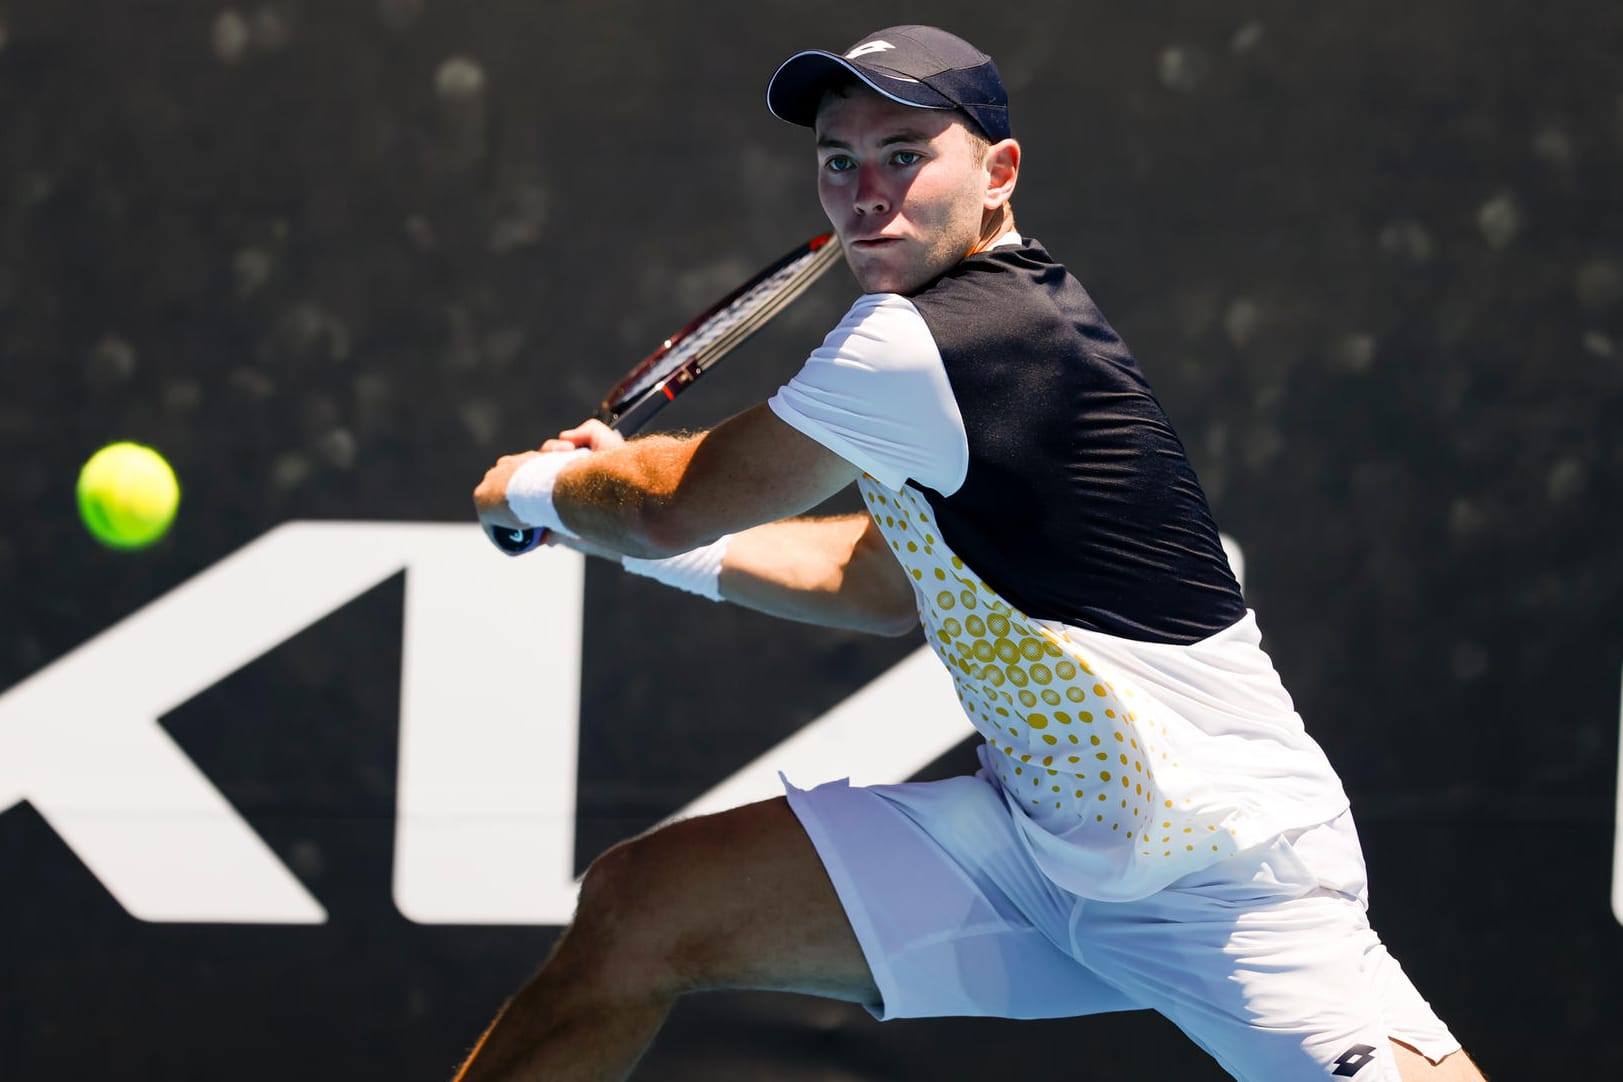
(515, 542)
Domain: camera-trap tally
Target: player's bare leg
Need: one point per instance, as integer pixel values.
(734, 900)
(1455, 1067)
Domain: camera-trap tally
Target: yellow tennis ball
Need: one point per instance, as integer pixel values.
(128, 495)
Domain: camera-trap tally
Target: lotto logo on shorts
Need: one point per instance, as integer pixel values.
(1353, 1060)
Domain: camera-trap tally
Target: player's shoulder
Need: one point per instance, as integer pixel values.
(881, 332)
(883, 317)
(1007, 287)
(1008, 273)
(880, 306)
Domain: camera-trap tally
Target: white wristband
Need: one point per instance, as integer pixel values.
(697, 571)
(529, 490)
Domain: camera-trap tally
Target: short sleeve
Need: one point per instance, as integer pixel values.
(876, 393)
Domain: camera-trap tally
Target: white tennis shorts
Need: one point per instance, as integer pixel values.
(1266, 960)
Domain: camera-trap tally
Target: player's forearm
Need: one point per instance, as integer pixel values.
(589, 483)
(663, 495)
(621, 500)
(834, 572)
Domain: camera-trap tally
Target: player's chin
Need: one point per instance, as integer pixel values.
(883, 276)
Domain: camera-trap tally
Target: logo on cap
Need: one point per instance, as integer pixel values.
(869, 47)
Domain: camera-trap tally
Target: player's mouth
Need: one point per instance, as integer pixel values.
(872, 244)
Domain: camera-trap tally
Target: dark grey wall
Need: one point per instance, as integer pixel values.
(1372, 258)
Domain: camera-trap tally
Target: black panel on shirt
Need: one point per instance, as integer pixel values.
(1079, 504)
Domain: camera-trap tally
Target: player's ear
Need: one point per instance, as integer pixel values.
(1002, 170)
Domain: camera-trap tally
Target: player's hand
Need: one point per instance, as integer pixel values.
(593, 434)
(490, 497)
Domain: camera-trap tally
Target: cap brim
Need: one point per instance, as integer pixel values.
(797, 87)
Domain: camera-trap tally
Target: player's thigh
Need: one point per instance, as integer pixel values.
(1275, 991)
(1454, 1067)
(738, 899)
(954, 917)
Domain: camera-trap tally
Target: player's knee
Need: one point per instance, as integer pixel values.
(624, 930)
(613, 913)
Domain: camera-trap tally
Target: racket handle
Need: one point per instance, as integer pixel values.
(515, 542)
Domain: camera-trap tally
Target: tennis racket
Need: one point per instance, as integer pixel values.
(692, 351)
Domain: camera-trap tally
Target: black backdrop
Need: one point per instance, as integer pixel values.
(1372, 257)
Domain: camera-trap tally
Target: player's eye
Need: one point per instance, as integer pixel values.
(839, 163)
(907, 157)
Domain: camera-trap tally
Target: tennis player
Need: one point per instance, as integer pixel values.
(1151, 826)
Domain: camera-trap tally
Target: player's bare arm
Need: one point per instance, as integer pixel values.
(830, 571)
(837, 572)
(662, 495)
(655, 495)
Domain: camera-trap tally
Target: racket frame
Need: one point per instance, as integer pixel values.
(627, 409)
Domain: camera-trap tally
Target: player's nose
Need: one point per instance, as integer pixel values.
(869, 196)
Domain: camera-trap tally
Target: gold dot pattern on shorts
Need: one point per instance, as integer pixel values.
(1032, 694)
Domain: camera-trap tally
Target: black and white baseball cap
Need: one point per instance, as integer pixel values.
(922, 66)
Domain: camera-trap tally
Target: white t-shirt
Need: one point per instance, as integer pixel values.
(1127, 763)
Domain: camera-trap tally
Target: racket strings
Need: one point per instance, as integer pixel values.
(726, 328)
